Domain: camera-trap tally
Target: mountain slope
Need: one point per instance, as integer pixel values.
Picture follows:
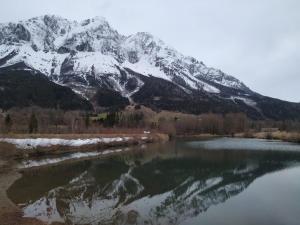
(99, 63)
(23, 88)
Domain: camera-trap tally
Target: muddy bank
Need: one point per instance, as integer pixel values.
(10, 214)
(6, 180)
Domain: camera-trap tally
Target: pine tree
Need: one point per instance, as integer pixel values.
(8, 123)
(112, 119)
(87, 120)
(33, 124)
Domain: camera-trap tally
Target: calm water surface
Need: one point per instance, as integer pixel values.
(220, 181)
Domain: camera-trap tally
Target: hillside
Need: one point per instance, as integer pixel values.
(25, 88)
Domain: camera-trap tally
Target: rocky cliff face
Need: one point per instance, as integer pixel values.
(90, 55)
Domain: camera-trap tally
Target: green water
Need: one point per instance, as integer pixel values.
(221, 181)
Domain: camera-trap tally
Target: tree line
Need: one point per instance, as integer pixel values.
(38, 120)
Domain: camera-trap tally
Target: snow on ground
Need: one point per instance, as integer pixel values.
(247, 101)
(31, 143)
(205, 86)
(78, 155)
(103, 64)
(5, 50)
(126, 93)
(145, 68)
(40, 60)
(219, 77)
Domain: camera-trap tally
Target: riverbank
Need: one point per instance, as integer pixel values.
(198, 136)
(277, 135)
(10, 214)
(17, 147)
(293, 137)
(26, 146)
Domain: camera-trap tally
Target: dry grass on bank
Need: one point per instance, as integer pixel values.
(74, 136)
(278, 135)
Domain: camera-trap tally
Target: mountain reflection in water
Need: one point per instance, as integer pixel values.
(162, 184)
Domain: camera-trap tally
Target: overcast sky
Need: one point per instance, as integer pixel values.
(257, 41)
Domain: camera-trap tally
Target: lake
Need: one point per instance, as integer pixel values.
(218, 181)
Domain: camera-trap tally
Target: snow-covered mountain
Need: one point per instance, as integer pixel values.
(90, 56)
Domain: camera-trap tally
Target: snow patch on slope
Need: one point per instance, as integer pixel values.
(145, 68)
(103, 64)
(41, 61)
(247, 101)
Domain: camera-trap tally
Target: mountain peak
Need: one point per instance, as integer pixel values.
(145, 37)
(98, 20)
(104, 66)
(48, 43)
(44, 18)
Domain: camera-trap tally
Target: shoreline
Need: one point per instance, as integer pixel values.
(10, 214)
(28, 146)
(292, 137)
